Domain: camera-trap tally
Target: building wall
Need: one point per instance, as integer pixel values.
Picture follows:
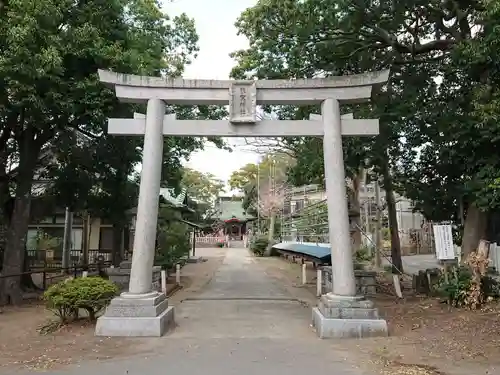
(99, 234)
(408, 220)
(302, 197)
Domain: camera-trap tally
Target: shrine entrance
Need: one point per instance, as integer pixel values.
(235, 229)
(144, 312)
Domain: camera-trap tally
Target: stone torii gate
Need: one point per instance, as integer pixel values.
(144, 312)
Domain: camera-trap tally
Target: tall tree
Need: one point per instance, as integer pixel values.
(50, 52)
(272, 164)
(415, 39)
(202, 187)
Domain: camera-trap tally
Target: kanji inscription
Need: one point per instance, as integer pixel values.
(242, 102)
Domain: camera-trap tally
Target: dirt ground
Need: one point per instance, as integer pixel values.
(427, 337)
(21, 346)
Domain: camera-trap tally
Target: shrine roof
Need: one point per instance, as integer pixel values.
(232, 210)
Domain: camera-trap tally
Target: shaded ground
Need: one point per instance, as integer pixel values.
(423, 332)
(21, 347)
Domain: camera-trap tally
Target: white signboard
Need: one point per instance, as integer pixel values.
(443, 238)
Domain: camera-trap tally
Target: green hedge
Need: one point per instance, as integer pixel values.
(259, 245)
(67, 297)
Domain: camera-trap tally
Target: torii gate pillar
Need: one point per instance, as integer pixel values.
(341, 312)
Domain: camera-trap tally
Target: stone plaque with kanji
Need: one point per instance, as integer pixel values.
(243, 102)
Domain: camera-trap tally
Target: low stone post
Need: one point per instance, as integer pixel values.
(164, 282)
(319, 282)
(178, 274)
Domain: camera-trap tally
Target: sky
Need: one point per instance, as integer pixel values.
(214, 21)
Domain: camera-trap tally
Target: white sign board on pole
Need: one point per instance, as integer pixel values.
(443, 238)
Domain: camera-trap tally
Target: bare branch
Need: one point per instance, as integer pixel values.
(272, 198)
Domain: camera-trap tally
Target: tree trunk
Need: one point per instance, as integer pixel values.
(5, 212)
(270, 238)
(355, 210)
(476, 222)
(67, 240)
(13, 259)
(378, 228)
(86, 238)
(397, 263)
(117, 251)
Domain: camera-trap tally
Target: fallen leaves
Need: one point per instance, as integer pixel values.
(395, 368)
(21, 346)
(425, 331)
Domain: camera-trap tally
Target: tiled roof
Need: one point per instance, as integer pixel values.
(168, 195)
(232, 209)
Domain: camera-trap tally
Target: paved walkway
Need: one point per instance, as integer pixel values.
(243, 322)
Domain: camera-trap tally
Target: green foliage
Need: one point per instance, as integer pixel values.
(362, 257)
(363, 254)
(92, 294)
(172, 238)
(438, 137)
(54, 110)
(258, 245)
(274, 163)
(455, 290)
(203, 187)
(248, 179)
(386, 234)
(459, 283)
(43, 241)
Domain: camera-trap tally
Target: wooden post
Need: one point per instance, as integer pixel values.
(194, 242)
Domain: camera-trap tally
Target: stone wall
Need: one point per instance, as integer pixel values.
(365, 281)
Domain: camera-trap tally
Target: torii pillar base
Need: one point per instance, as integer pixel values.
(148, 315)
(347, 317)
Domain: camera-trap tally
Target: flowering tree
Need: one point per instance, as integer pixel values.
(271, 201)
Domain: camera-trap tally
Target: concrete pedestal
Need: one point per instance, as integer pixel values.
(347, 317)
(136, 315)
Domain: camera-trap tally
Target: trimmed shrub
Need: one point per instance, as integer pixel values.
(92, 294)
(172, 243)
(259, 245)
